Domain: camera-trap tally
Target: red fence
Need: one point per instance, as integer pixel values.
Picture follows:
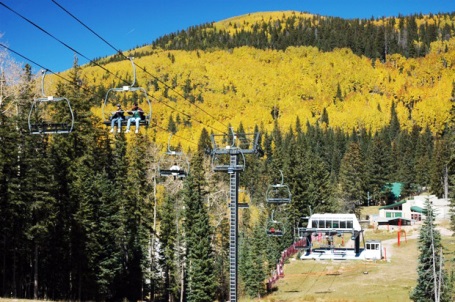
(279, 273)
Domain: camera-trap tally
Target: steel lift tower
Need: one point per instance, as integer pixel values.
(228, 155)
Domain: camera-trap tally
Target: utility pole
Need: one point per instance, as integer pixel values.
(230, 157)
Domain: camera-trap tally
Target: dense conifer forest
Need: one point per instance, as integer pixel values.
(344, 108)
(409, 36)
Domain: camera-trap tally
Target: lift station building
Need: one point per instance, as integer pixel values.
(329, 226)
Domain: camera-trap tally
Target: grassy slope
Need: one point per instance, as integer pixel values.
(355, 281)
(348, 280)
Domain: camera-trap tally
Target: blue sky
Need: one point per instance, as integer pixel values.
(126, 24)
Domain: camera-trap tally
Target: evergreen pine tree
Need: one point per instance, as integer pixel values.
(253, 261)
(138, 220)
(438, 165)
(201, 280)
(351, 185)
(168, 237)
(325, 116)
(378, 169)
(394, 124)
(27, 200)
(204, 143)
(405, 149)
(74, 156)
(432, 282)
(424, 151)
(171, 125)
(339, 94)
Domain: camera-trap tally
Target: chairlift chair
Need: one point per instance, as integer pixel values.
(278, 193)
(110, 102)
(50, 114)
(275, 227)
(174, 163)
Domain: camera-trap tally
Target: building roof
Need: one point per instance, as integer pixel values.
(417, 209)
(334, 216)
(373, 241)
(394, 221)
(393, 205)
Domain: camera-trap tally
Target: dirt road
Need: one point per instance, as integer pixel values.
(390, 245)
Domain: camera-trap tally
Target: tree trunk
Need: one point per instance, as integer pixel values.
(182, 280)
(4, 267)
(35, 275)
(446, 182)
(14, 275)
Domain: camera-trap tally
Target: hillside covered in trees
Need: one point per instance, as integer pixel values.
(342, 88)
(88, 217)
(409, 36)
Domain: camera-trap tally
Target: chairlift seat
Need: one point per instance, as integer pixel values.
(279, 200)
(226, 168)
(144, 122)
(275, 228)
(177, 173)
(50, 128)
(277, 233)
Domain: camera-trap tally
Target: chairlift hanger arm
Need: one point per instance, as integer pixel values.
(169, 149)
(134, 70)
(43, 74)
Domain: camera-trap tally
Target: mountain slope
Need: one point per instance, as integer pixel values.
(220, 87)
(409, 36)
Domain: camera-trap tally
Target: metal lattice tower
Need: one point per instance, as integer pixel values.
(231, 159)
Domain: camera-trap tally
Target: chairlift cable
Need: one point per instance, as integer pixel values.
(95, 63)
(33, 62)
(45, 68)
(88, 28)
(142, 68)
(181, 137)
(58, 40)
(72, 82)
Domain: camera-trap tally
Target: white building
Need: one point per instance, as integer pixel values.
(410, 211)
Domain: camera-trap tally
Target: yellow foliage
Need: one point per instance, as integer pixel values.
(243, 85)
